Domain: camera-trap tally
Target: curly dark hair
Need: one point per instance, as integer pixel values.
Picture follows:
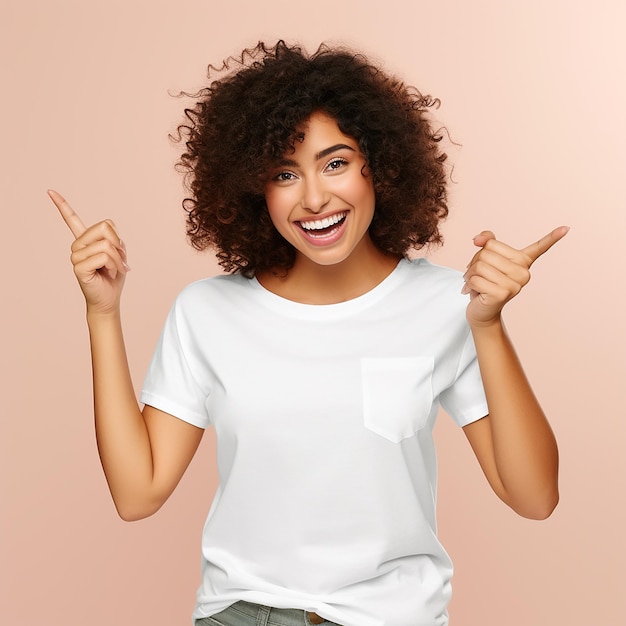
(247, 119)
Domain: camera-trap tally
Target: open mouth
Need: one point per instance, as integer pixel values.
(323, 227)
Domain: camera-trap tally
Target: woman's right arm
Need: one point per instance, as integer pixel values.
(143, 454)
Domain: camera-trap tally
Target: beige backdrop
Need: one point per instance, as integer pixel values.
(534, 94)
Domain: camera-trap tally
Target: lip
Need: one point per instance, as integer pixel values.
(327, 238)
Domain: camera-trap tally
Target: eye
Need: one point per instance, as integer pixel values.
(335, 164)
(284, 177)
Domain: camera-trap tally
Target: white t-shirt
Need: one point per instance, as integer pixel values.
(324, 417)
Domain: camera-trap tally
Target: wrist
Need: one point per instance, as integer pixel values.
(490, 327)
(96, 317)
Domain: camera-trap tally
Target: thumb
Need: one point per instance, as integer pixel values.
(483, 237)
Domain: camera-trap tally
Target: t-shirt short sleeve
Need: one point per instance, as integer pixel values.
(465, 399)
(172, 383)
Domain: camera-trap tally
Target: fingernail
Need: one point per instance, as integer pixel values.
(126, 266)
(465, 290)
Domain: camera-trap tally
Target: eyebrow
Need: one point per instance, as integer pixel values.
(327, 151)
(321, 154)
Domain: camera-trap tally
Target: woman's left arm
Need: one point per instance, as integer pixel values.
(514, 444)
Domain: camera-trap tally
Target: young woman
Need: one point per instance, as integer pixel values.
(322, 357)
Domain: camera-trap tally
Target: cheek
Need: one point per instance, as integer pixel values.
(358, 191)
(278, 209)
(366, 198)
(273, 202)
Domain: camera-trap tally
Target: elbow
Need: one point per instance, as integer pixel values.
(135, 511)
(547, 509)
(132, 516)
(539, 508)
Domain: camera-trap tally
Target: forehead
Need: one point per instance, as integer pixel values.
(318, 122)
(320, 131)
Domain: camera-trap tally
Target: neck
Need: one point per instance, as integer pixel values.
(310, 283)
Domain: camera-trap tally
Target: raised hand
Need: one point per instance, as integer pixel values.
(497, 273)
(98, 256)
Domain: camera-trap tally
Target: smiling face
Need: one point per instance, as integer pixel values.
(320, 198)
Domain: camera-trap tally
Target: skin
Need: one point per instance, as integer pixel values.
(144, 453)
(325, 176)
(514, 444)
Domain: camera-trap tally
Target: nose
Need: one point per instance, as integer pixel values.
(315, 196)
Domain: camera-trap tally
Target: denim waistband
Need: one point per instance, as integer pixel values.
(244, 613)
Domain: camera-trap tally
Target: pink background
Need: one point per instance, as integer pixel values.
(535, 94)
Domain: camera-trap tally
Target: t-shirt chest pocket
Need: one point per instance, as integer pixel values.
(397, 395)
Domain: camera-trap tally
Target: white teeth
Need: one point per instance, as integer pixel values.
(323, 223)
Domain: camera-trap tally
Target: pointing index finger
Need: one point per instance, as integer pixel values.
(536, 249)
(68, 214)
